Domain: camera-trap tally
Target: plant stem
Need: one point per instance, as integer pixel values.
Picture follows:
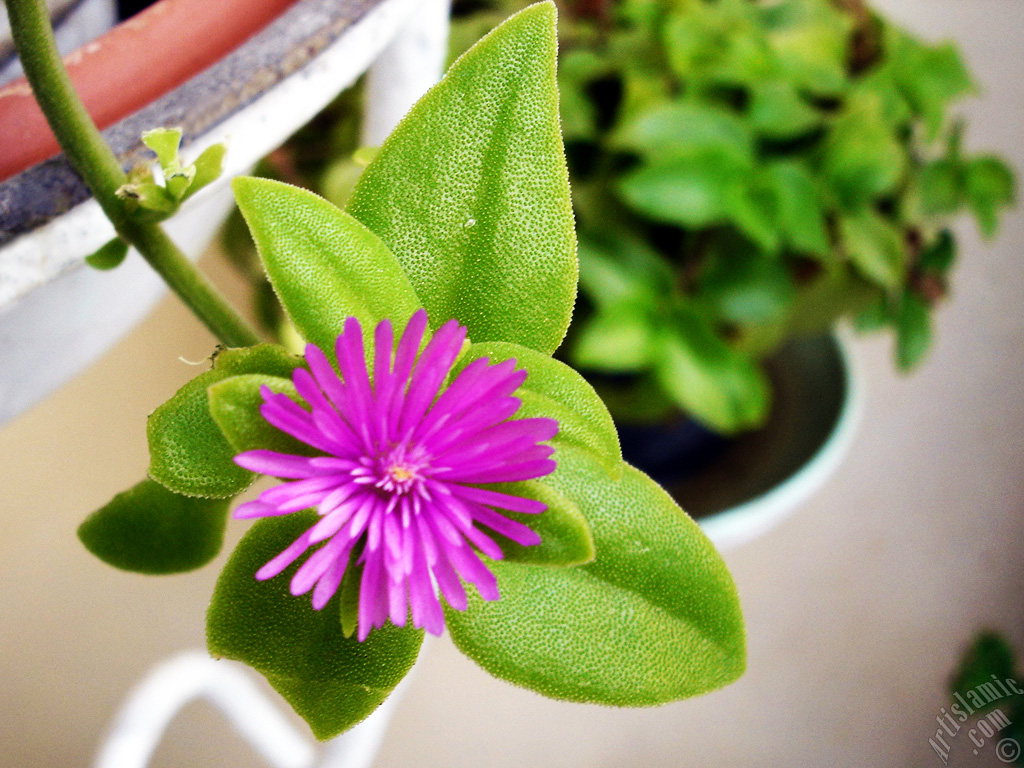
(84, 146)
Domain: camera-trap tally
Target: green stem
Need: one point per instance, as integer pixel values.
(84, 146)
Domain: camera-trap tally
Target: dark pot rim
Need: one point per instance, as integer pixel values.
(763, 476)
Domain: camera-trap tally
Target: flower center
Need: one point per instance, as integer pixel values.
(400, 470)
(399, 477)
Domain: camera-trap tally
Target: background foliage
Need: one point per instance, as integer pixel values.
(742, 172)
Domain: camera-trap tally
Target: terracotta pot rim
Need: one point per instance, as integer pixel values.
(282, 47)
(129, 66)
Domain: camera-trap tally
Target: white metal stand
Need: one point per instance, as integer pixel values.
(190, 676)
(405, 70)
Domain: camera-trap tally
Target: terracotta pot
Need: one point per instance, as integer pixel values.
(294, 56)
(130, 66)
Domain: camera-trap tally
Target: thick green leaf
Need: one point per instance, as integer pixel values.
(685, 128)
(332, 681)
(716, 385)
(838, 291)
(694, 191)
(156, 201)
(874, 246)
(109, 255)
(577, 69)
(164, 142)
(621, 339)
(554, 390)
(913, 331)
(700, 188)
(989, 666)
(989, 654)
(717, 43)
(940, 254)
(875, 317)
(622, 268)
(608, 282)
(208, 167)
(779, 112)
(565, 534)
(862, 157)
(799, 209)
(990, 188)
(747, 287)
(178, 181)
(941, 185)
(348, 593)
(880, 80)
(471, 191)
(148, 529)
(324, 265)
(690, 39)
(811, 42)
(655, 618)
(752, 206)
(930, 76)
(640, 91)
(235, 406)
(188, 453)
(339, 179)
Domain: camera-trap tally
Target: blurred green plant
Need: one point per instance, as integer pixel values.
(742, 173)
(987, 678)
(745, 172)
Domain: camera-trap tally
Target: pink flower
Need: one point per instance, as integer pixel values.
(399, 481)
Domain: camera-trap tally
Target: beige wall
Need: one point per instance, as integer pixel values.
(856, 608)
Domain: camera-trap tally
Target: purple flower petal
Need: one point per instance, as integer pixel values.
(256, 509)
(333, 521)
(487, 415)
(402, 456)
(369, 591)
(513, 529)
(316, 566)
(398, 607)
(526, 470)
(287, 491)
(352, 364)
(426, 610)
(449, 584)
(329, 582)
(277, 464)
(286, 558)
(498, 499)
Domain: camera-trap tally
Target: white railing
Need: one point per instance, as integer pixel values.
(139, 727)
